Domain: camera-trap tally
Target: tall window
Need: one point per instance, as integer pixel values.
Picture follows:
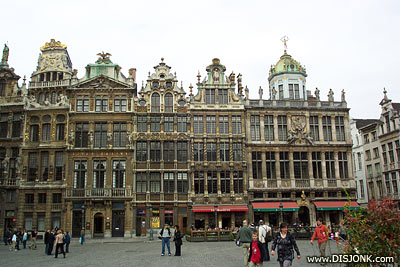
(362, 193)
(223, 96)
(198, 124)
(80, 169)
(60, 132)
(366, 138)
(169, 151)
(2, 156)
(370, 171)
(327, 128)
(343, 169)
(34, 133)
(169, 102)
(141, 182)
(82, 105)
(211, 152)
(119, 134)
(81, 135)
(255, 127)
(390, 152)
(59, 165)
(376, 153)
(280, 89)
(211, 125)
(182, 124)
(387, 122)
(42, 198)
(256, 160)
(118, 173)
(101, 104)
(212, 182)
(296, 91)
(378, 169)
(284, 163)
(182, 182)
(57, 197)
(225, 182)
(237, 152)
(394, 183)
(100, 134)
(397, 143)
(12, 169)
(155, 151)
(120, 105)
(32, 166)
(198, 152)
(339, 124)
(314, 128)
(384, 155)
(330, 165)
(269, 127)
(4, 125)
(99, 173)
(270, 164)
(141, 151)
(155, 124)
(155, 182)
(282, 128)
(317, 165)
(236, 124)
(224, 151)
(169, 182)
(155, 102)
(359, 161)
(16, 125)
(198, 182)
(300, 163)
(168, 124)
(46, 131)
(238, 182)
(182, 151)
(223, 125)
(210, 96)
(142, 124)
(3, 85)
(387, 183)
(44, 166)
(291, 95)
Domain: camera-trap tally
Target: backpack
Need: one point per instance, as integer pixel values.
(269, 236)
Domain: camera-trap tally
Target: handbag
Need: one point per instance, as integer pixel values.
(238, 243)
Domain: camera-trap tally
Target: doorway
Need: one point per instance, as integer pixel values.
(304, 216)
(98, 230)
(76, 223)
(118, 223)
(141, 225)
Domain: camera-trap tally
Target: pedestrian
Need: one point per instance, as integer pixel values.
(178, 241)
(24, 239)
(33, 239)
(19, 238)
(285, 243)
(253, 227)
(265, 236)
(46, 241)
(256, 252)
(14, 241)
(67, 241)
(59, 243)
(51, 243)
(244, 236)
(165, 236)
(321, 233)
(82, 239)
(7, 237)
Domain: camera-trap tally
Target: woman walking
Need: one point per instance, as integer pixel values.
(285, 242)
(59, 243)
(177, 240)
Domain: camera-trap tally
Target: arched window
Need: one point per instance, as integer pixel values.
(155, 103)
(168, 102)
(41, 98)
(53, 97)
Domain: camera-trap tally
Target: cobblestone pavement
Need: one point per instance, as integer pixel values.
(145, 253)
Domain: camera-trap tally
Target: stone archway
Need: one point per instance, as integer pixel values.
(98, 226)
(304, 215)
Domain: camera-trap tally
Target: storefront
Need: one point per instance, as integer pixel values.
(332, 212)
(272, 212)
(230, 216)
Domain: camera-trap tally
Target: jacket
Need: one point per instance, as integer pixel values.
(321, 233)
(67, 239)
(162, 231)
(263, 252)
(244, 235)
(178, 238)
(285, 247)
(46, 237)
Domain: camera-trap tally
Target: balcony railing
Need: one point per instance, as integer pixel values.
(332, 183)
(10, 182)
(99, 192)
(272, 183)
(57, 206)
(302, 183)
(49, 84)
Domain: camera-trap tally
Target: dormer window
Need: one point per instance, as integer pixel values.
(223, 96)
(168, 102)
(210, 96)
(168, 85)
(156, 84)
(155, 103)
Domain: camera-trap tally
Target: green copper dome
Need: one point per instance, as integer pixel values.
(286, 64)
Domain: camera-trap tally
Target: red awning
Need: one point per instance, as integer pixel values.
(203, 208)
(223, 208)
(335, 205)
(274, 206)
(168, 212)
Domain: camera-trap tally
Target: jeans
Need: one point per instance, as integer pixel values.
(165, 241)
(67, 247)
(24, 243)
(82, 239)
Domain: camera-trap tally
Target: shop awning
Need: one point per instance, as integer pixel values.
(203, 208)
(335, 205)
(274, 206)
(223, 208)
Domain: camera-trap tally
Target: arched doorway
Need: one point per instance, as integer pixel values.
(304, 215)
(98, 229)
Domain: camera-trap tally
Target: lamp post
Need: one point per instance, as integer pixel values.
(281, 209)
(83, 217)
(216, 216)
(151, 226)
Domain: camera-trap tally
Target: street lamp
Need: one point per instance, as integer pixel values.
(151, 229)
(281, 209)
(83, 217)
(216, 216)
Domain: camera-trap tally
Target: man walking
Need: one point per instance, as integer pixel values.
(33, 239)
(244, 236)
(264, 236)
(165, 235)
(67, 241)
(46, 241)
(321, 233)
(82, 239)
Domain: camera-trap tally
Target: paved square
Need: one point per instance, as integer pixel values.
(144, 253)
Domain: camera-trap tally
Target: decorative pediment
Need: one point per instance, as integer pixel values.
(101, 82)
(298, 132)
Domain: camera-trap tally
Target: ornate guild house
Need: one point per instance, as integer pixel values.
(98, 153)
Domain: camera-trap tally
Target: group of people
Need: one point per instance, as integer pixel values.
(56, 238)
(255, 243)
(165, 235)
(15, 238)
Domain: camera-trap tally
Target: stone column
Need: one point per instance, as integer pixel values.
(323, 165)
(134, 212)
(128, 220)
(247, 129)
(250, 164)
(262, 131)
(310, 169)
(291, 165)
(336, 157)
(321, 133)
(333, 128)
(108, 214)
(263, 166)
(276, 139)
(278, 169)
(68, 217)
(47, 220)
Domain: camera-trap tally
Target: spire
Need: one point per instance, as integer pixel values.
(4, 59)
(284, 39)
(198, 76)
(384, 93)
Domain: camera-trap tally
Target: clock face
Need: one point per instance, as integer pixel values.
(156, 84)
(181, 102)
(169, 84)
(142, 102)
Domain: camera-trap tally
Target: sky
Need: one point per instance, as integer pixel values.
(350, 45)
